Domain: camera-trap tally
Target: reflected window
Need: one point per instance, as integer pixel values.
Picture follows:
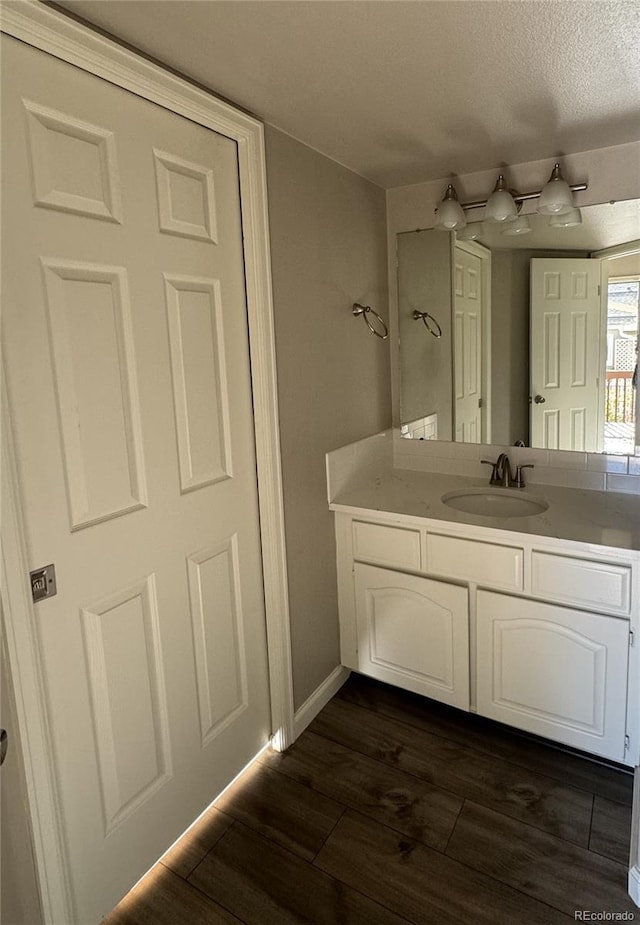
(623, 302)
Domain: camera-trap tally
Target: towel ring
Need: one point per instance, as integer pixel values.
(426, 317)
(364, 310)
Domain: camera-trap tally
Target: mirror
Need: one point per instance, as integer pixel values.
(539, 333)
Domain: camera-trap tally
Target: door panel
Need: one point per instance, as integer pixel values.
(126, 350)
(468, 347)
(565, 338)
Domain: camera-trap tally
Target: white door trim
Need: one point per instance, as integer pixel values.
(56, 34)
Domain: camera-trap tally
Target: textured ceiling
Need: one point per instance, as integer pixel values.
(403, 91)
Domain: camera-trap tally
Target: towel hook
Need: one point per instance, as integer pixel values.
(427, 318)
(364, 310)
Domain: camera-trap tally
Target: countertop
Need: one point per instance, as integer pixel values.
(599, 518)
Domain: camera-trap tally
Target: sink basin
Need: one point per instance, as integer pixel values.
(499, 502)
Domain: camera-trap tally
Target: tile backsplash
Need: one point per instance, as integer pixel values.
(591, 471)
(369, 456)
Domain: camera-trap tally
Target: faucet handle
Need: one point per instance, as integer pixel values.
(495, 472)
(519, 478)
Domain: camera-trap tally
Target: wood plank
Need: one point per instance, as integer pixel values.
(401, 801)
(489, 737)
(547, 868)
(200, 838)
(282, 809)
(423, 885)
(533, 798)
(163, 898)
(266, 885)
(611, 830)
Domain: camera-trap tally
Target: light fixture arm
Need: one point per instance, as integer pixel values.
(519, 198)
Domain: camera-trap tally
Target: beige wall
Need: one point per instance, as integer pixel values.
(328, 250)
(19, 896)
(426, 369)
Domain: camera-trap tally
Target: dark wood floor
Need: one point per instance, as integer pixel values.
(391, 809)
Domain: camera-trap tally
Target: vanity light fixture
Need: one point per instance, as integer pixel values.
(501, 206)
(520, 226)
(566, 219)
(555, 197)
(449, 214)
(471, 231)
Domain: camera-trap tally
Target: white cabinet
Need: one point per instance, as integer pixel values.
(413, 632)
(533, 633)
(557, 672)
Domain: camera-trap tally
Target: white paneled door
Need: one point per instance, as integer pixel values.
(467, 347)
(127, 362)
(565, 354)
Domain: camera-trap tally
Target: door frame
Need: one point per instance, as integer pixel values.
(66, 39)
(610, 253)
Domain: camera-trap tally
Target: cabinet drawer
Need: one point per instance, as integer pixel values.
(386, 545)
(468, 560)
(597, 585)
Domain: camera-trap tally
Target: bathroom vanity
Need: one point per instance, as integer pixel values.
(529, 620)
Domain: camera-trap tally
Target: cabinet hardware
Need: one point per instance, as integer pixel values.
(627, 743)
(632, 638)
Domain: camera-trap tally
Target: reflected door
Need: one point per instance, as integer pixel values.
(467, 347)
(126, 347)
(565, 354)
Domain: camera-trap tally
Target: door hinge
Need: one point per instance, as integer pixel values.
(599, 290)
(627, 743)
(479, 403)
(632, 638)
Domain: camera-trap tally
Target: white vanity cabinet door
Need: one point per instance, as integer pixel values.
(413, 632)
(554, 671)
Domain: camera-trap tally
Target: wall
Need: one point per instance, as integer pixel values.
(19, 896)
(424, 284)
(623, 266)
(328, 250)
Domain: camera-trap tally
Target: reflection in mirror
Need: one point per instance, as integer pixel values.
(539, 333)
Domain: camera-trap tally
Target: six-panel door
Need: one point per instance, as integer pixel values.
(127, 363)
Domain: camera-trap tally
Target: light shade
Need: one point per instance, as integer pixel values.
(501, 206)
(520, 226)
(566, 219)
(449, 215)
(556, 196)
(471, 232)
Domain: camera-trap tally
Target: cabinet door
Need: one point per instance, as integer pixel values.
(553, 671)
(413, 632)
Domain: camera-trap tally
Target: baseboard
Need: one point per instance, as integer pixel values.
(319, 699)
(634, 885)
